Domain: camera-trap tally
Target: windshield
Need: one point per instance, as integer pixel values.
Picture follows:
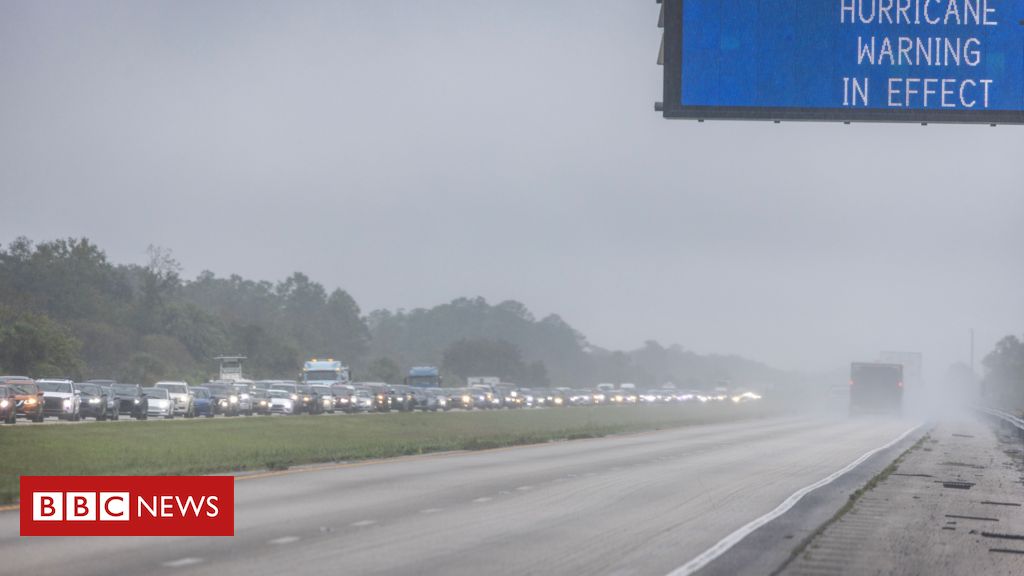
(126, 389)
(23, 387)
(156, 393)
(173, 388)
(62, 387)
(200, 393)
(275, 393)
(323, 375)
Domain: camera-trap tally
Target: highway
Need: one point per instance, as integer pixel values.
(639, 504)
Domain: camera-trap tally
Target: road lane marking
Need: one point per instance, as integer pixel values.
(183, 562)
(284, 540)
(736, 537)
(483, 499)
(362, 523)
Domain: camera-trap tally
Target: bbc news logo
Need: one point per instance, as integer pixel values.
(127, 506)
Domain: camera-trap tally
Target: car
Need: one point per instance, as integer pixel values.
(292, 389)
(307, 400)
(203, 402)
(362, 400)
(224, 397)
(402, 398)
(343, 396)
(113, 406)
(93, 401)
(60, 399)
(436, 399)
(130, 400)
(8, 405)
(324, 398)
(281, 401)
(28, 399)
(383, 397)
(260, 401)
(159, 402)
(179, 393)
(243, 390)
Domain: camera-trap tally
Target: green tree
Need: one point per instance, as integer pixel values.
(33, 345)
(383, 370)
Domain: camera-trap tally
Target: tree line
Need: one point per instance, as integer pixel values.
(66, 311)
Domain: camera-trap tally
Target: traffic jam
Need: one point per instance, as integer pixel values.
(324, 387)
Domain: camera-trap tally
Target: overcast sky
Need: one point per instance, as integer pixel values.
(413, 152)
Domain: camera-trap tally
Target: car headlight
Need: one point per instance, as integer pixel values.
(94, 400)
(558, 400)
(223, 402)
(5, 403)
(245, 396)
(33, 401)
(67, 403)
(233, 399)
(137, 401)
(343, 400)
(305, 398)
(295, 396)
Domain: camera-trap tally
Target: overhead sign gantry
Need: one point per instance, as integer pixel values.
(958, 61)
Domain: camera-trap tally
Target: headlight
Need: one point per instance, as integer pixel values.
(137, 401)
(295, 396)
(223, 402)
(245, 396)
(94, 400)
(33, 401)
(558, 400)
(343, 400)
(67, 403)
(466, 399)
(305, 398)
(4, 403)
(233, 399)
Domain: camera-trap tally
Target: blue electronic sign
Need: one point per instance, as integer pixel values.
(879, 60)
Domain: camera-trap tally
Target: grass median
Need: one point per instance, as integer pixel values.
(201, 446)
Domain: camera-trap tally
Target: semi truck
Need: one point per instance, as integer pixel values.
(876, 388)
(424, 377)
(324, 372)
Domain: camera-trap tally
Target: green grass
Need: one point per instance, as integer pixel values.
(183, 447)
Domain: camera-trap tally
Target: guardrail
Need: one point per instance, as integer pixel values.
(1006, 418)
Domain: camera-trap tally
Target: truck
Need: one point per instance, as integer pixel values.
(424, 377)
(324, 372)
(876, 388)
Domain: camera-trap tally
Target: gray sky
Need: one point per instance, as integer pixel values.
(412, 152)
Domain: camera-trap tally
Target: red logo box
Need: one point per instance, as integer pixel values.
(127, 506)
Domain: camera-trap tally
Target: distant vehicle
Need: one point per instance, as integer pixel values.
(581, 398)
(324, 398)
(28, 399)
(243, 389)
(179, 393)
(131, 400)
(8, 409)
(60, 399)
(225, 397)
(308, 402)
(489, 381)
(260, 401)
(203, 402)
(343, 396)
(510, 396)
(281, 401)
(424, 377)
(362, 400)
(606, 387)
(403, 399)
(113, 407)
(292, 389)
(158, 402)
(876, 388)
(93, 400)
(436, 399)
(324, 372)
(485, 396)
(382, 395)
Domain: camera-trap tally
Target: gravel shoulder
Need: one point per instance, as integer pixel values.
(952, 505)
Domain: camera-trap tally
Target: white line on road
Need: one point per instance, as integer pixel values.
(362, 523)
(284, 540)
(733, 539)
(183, 562)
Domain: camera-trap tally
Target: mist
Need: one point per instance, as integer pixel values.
(414, 153)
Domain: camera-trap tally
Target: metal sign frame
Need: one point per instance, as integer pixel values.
(672, 58)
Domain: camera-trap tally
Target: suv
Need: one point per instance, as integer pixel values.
(181, 396)
(92, 401)
(292, 389)
(245, 401)
(224, 397)
(28, 400)
(130, 400)
(60, 399)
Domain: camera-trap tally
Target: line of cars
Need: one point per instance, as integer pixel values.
(109, 400)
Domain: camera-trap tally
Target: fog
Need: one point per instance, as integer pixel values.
(415, 152)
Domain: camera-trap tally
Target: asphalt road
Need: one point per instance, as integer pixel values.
(640, 504)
